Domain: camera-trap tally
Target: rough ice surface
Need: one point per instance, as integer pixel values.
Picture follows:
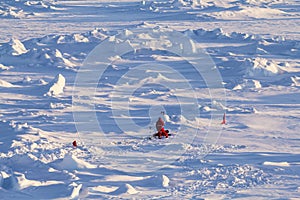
(101, 72)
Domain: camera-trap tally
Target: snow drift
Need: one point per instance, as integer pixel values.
(71, 162)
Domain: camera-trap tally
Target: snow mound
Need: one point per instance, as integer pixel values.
(49, 57)
(56, 105)
(125, 189)
(295, 81)
(71, 162)
(165, 181)
(74, 38)
(158, 180)
(248, 84)
(27, 80)
(75, 191)
(23, 182)
(5, 84)
(95, 35)
(261, 67)
(56, 86)
(14, 47)
(18, 128)
(3, 67)
(41, 5)
(38, 54)
(12, 12)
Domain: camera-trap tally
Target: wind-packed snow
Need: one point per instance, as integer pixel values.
(223, 75)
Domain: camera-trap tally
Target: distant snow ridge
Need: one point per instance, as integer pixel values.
(23, 9)
(248, 12)
(56, 86)
(7, 11)
(261, 67)
(95, 35)
(193, 3)
(161, 5)
(45, 5)
(219, 34)
(264, 2)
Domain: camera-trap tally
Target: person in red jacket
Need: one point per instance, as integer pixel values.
(160, 128)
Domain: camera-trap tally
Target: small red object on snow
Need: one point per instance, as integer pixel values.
(224, 119)
(74, 143)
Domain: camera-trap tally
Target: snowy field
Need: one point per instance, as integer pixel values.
(101, 72)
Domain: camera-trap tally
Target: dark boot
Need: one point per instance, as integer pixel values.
(159, 134)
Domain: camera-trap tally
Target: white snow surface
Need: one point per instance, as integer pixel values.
(101, 72)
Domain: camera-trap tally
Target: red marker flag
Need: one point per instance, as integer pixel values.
(224, 119)
(74, 143)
